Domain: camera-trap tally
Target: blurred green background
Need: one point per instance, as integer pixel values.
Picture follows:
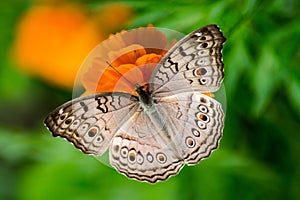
(258, 157)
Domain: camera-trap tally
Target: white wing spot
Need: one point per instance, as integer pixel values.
(201, 125)
(149, 157)
(139, 158)
(124, 152)
(196, 132)
(203, 109)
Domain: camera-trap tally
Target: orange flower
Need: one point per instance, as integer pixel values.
(52, 41)
(123, 60)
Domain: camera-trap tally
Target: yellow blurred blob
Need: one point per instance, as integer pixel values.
(52, 41)
(114, 17)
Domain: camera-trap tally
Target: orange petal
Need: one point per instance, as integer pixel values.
(148, 58)
(126, 55)
(147, 64)
(123, 48)
(113, 81)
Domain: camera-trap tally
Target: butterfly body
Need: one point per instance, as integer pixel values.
(145, 97)
(152, 135)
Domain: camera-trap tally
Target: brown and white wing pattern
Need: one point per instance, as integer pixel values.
(154, 146)
(90, 122)
(143, 151)
(195, 123)
(193, 63)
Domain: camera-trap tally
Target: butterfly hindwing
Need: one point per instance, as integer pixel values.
(142, 150)
(195, 123)
(185, 129)
(143, 161)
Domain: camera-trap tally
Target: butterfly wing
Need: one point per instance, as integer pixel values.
(90, 122)
(154, 146)
(143, 150)
(195, 123)
(193, 63)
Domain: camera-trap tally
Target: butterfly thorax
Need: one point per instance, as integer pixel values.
(145, 97)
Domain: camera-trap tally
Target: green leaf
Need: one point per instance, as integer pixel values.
(265, 79)
(293, 90)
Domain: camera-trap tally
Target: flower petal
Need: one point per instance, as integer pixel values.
(134, 47)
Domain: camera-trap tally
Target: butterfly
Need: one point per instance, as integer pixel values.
(152, 134)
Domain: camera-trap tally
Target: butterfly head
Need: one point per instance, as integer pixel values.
(144, 96)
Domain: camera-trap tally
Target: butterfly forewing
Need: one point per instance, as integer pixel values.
(90, 122)
(194, 63)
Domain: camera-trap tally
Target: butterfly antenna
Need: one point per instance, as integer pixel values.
(136, 68)
(127, 80)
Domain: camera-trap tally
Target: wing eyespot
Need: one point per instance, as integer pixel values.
(92, 132)
(124, 152)
(63, 116)
(149, 157)
(195, 132)
(132, 156)
(190, 142)
(161, 158)
(204, 45)
(68, 121)
(202, 81)
(203, 109)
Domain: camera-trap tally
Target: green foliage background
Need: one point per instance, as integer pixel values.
(258, 157)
